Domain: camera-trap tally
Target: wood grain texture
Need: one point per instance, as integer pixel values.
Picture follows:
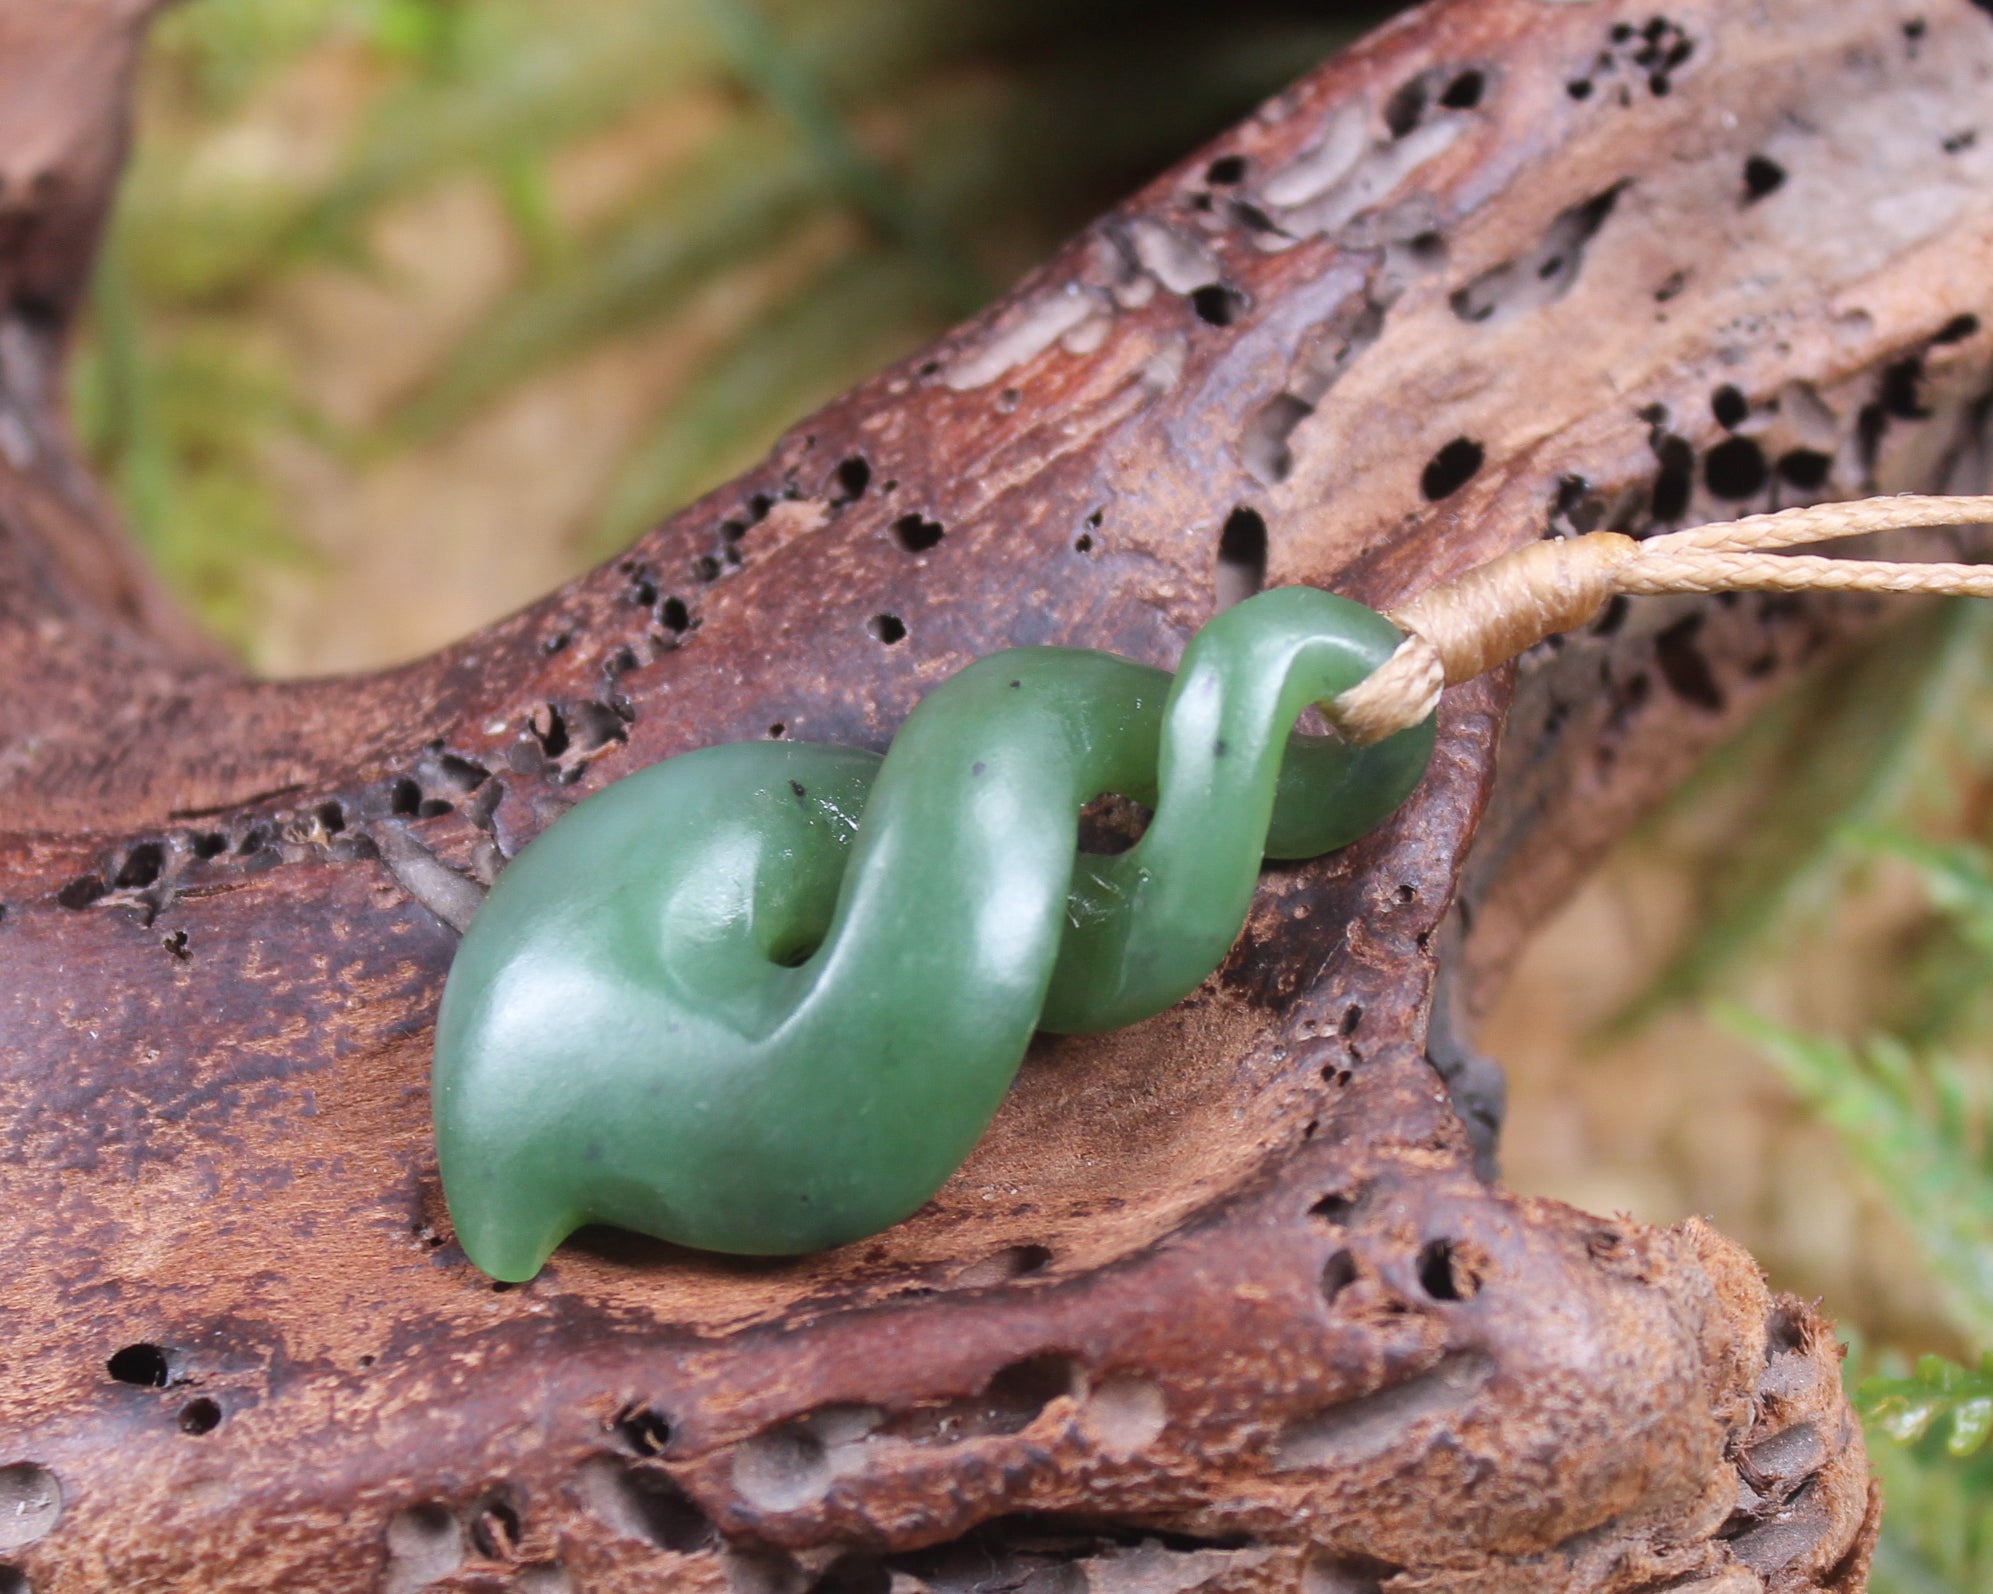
(1221, 1302)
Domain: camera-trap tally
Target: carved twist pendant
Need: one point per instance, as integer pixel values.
(764, 998)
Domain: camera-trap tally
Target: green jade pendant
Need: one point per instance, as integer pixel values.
(764, 998)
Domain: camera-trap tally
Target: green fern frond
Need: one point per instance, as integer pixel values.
(1917, 1125)
(1937, 1527)
(1940, 1395)
(1937, 1480)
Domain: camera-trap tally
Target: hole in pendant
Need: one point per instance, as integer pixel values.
(1111, 824)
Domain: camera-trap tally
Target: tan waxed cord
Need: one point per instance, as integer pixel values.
(1458, 629)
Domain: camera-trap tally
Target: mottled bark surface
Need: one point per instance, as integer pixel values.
(1220, 1303)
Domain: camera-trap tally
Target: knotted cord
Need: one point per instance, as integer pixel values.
(1462, 627)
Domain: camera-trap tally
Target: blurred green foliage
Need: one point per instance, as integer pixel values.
(1928, 1431)
(1848, 742)
(1914, 1121)
(1883, 762)
(963, 140)
(1939, 1396)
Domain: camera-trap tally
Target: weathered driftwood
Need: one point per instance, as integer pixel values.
(1221, 1303)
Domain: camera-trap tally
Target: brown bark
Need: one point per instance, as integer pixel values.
(1220, 1302)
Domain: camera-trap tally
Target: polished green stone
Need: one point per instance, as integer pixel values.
(764, 998)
